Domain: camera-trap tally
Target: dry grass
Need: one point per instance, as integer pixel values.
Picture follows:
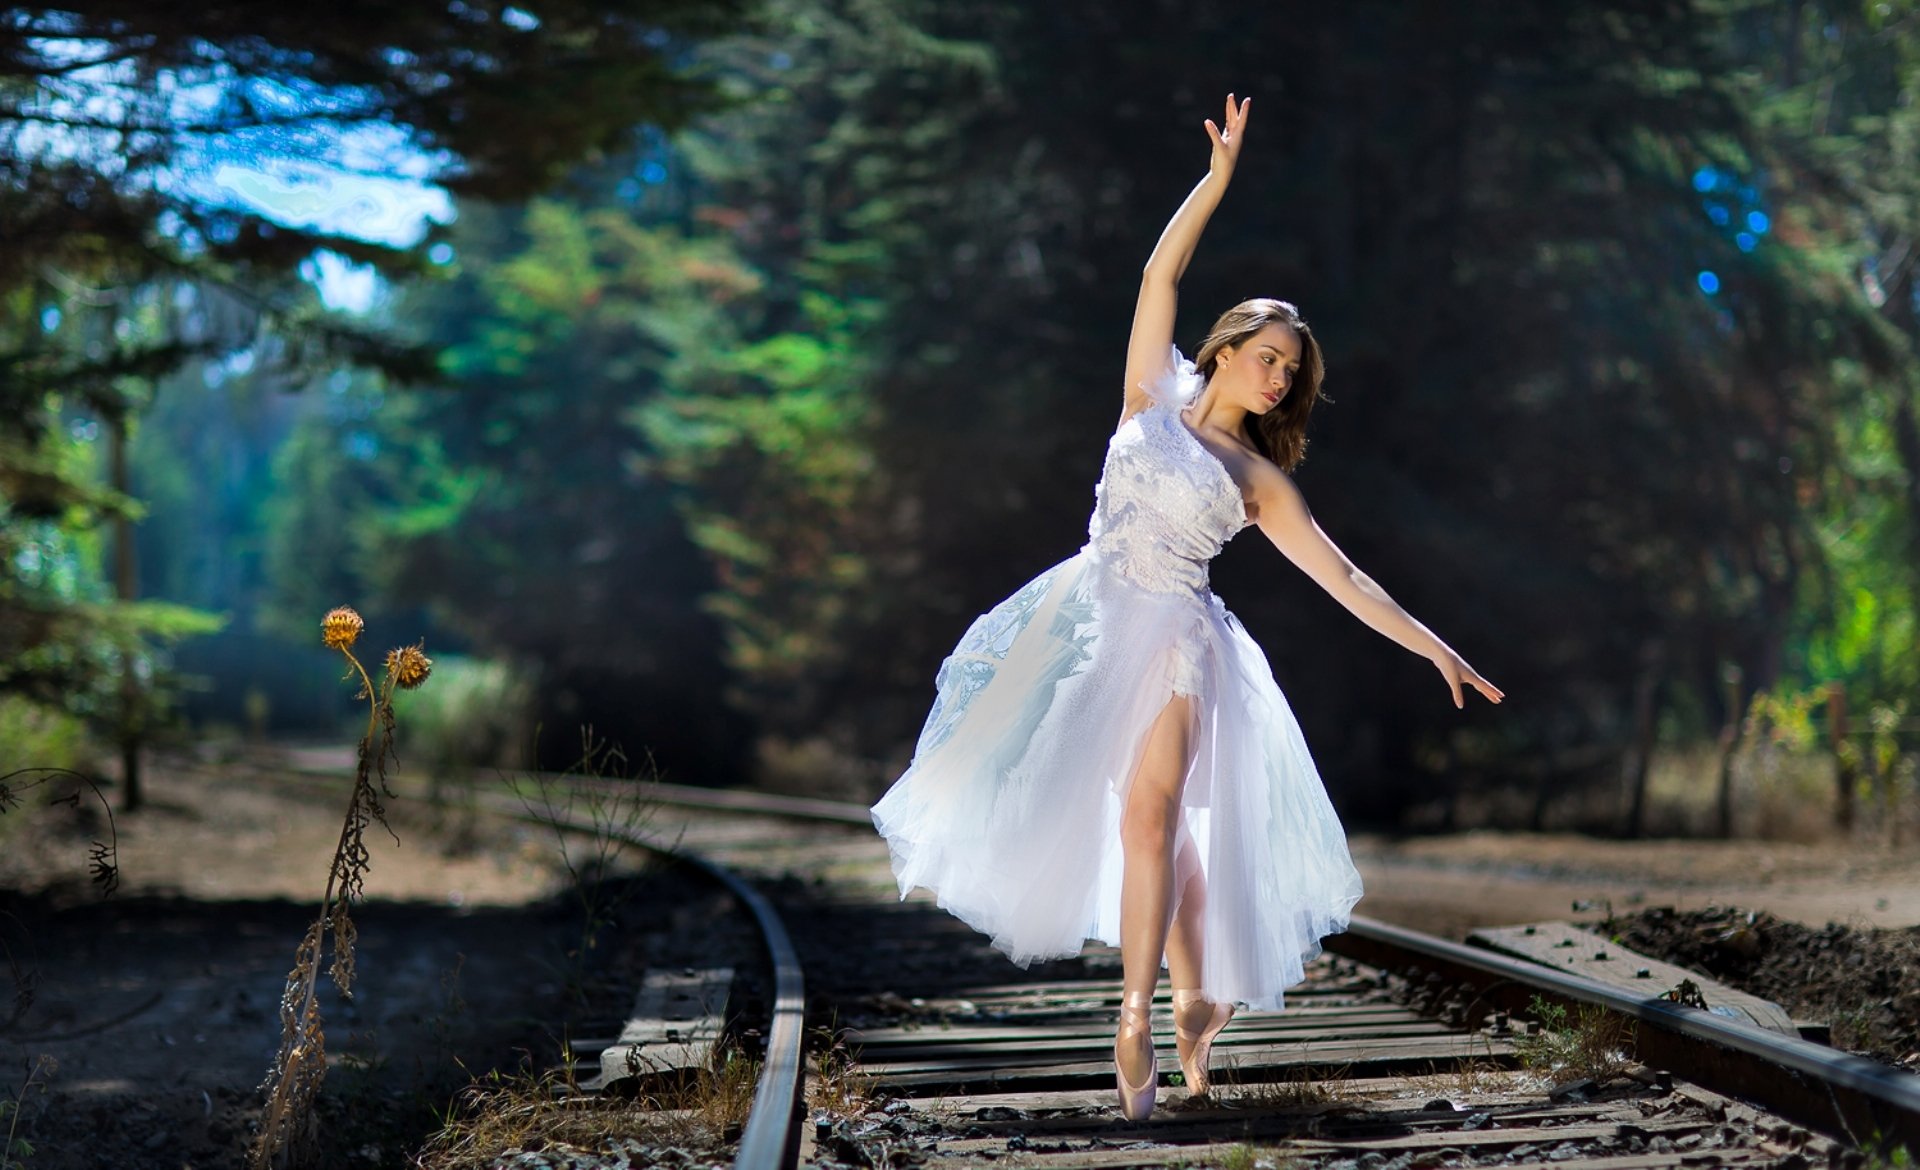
(1250, 1157)
(1782, 791)
(504, 1113)
(1463, 1079)
(1582, 1041)
(836, 1083)
(1296, 1090)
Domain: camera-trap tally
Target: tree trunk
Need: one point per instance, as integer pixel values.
(1730, 733)
(126, 586)
(1640, 756)
(1846, 771)
(1544, 790)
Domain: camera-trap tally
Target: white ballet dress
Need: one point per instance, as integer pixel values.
(1010, 810)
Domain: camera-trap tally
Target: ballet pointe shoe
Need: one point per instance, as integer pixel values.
(1195, 1047)
(1136, 1101)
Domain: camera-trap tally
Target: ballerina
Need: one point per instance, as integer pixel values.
(1108, 755)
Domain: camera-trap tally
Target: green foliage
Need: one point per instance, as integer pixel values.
(514, 505)
(36, 736)
(1586, 1041)
(121, 265)
(1840, 94)
(1787, 718)
(477, 714)
(14, 1149)
(837, 361)
(773, 440)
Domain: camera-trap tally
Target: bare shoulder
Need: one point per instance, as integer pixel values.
(1266, 478)
(1272, 491)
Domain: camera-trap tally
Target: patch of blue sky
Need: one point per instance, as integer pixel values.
(368, 184)
(324, 161)
(344, 286)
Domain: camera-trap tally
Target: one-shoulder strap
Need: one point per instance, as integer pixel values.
(1177, 384)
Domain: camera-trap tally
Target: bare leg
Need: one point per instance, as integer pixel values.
(1186, 941)
(1146, 840)
(1186, 944)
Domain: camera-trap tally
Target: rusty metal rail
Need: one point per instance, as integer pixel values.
(1811, 1083)
(770, 1139)
(1025, 1069)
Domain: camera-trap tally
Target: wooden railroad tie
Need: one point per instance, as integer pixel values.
(1566, 947)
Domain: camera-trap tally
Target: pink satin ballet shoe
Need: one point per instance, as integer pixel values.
(1195, 1047)
(1136, 1101)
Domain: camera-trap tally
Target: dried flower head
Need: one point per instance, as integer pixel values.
(408, 666)
(340, 629)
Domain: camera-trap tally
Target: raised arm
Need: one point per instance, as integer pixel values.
(1284, 518)
(1159, 283)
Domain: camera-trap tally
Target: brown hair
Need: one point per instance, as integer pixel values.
(1281, 433)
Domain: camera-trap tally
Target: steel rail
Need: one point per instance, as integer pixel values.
(770, 1140)
(1870, 1103)
(804, 808)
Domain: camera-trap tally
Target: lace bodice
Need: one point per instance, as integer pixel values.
(1165, 505)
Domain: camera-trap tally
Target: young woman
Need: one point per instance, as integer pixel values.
(1108, 755)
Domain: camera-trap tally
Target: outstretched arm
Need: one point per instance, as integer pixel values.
(1153, 313)
(1283, 516)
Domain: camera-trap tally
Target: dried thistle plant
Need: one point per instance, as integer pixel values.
(287, 1123)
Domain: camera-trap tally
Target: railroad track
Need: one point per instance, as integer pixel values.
(1399, 1051)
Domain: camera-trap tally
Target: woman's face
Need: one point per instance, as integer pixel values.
(1256, 374)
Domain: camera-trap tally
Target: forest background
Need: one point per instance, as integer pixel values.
(697, 372)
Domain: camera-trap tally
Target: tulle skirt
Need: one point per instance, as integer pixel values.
(1010, 811)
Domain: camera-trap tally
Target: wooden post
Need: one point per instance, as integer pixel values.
(1846, 771)
(1733, 680)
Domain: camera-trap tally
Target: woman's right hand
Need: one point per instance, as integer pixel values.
(1226, 143)
(1457, 673)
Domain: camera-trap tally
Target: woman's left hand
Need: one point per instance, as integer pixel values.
(1456, 671)
(1226, 142)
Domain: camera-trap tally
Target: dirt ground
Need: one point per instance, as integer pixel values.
(1863, 982)
(140, 1027)
(153, 1015)
(1449, 885)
